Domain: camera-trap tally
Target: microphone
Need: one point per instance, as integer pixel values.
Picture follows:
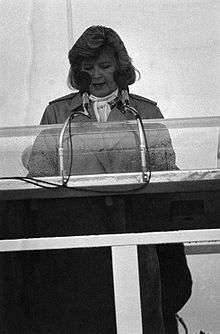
(83, 80)
(120, 77)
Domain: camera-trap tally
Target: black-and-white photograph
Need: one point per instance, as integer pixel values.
(109, 167)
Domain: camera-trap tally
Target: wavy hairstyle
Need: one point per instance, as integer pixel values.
(91, 44)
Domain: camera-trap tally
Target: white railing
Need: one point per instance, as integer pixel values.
(125, 273)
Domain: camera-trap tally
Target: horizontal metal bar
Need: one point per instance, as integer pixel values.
(189, 122)
(198, 237)
(192, 248)
(119, 181)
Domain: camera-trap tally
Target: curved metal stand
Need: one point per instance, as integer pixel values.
(60, 148)
(143, 148)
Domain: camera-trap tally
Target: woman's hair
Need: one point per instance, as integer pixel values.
(91, 44)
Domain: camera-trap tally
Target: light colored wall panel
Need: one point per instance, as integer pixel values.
(15, 46)
(49, 66)
(201, 313)
(34, 65)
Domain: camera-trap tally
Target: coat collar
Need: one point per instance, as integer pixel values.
(76, 101)
(76, 105)
(115, 114)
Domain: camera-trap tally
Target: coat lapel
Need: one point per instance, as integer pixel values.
(115, 114)
(76, 105)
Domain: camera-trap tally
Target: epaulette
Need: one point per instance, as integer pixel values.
(63, 98)
(138, 97)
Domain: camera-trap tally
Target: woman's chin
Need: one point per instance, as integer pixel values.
(99, 91)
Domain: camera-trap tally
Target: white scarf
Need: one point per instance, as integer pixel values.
(101, 105)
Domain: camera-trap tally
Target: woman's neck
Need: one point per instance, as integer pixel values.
(106, 98)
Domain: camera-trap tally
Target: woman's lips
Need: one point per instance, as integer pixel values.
(98, 85)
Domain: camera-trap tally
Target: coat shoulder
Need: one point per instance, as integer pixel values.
(143, 99)
(59, 109)
(64, 98)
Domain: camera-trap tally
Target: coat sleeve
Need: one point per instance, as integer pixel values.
(43, 159)
(49, 115)
(176, 281)
(162, 154)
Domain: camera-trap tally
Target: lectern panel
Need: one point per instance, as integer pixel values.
(103, 148)
(103, 162)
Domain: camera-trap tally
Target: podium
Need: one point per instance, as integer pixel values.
(176, 202)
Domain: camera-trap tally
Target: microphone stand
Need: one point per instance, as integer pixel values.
(142, 136)
(61, 137)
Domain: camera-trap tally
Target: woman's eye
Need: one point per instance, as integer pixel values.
(105, 66)
(88, 68)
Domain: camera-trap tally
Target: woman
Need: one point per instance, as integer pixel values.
(76, 285)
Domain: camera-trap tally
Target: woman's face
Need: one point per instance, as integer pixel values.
(101, 70)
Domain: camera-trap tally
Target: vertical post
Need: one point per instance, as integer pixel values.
(69, 17)
(126, 289)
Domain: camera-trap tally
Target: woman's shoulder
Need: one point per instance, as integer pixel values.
(142, 99)
(59, 109)
(146, 107)
(65, 98)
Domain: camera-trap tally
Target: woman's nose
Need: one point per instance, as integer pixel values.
(96, 72)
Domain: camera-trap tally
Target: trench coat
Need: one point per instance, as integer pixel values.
(71, 291)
